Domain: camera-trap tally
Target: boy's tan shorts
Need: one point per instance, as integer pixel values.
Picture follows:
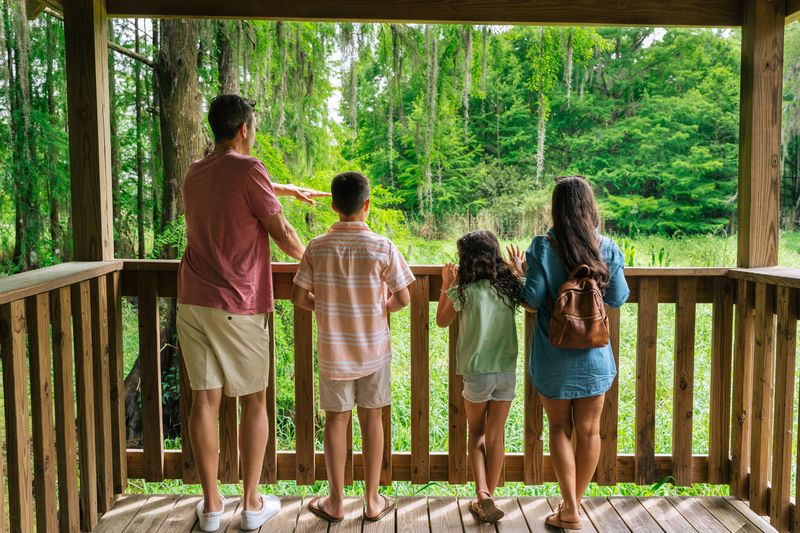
(369, 392)
(224, 350)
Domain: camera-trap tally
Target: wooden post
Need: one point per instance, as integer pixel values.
(760, 132)
(86, 43)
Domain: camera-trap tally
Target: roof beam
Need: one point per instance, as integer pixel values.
(792, 10)
(34, 8)
(709, 13)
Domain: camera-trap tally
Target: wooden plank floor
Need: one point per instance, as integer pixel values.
(175, 514)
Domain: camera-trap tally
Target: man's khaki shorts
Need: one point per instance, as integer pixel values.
(224, 350)
(369, 392)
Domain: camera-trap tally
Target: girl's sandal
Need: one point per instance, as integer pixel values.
(554, 520)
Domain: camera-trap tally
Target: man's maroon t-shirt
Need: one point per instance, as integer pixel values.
(227, 261)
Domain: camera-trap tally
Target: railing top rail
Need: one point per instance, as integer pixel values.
(434, 270)
(780, 276)
(46, 279)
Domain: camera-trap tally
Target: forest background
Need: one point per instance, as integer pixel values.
(458, 127)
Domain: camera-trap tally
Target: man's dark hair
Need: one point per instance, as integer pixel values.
(227, 113)
(349, 191)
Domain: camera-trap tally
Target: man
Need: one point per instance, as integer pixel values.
(224, 297)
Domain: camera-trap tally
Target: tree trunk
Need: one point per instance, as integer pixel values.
(228, 59)
(52, 169)
(568, 68)
(116, 165)
(542, 113)
(280, 31)
(179, 103)
(26, 208)
(156, 152)
(467, 75)
(137, 80)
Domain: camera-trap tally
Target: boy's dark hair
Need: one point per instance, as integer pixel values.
(227, 113)
(349, 191)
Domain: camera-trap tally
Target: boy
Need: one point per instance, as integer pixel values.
(343, 277)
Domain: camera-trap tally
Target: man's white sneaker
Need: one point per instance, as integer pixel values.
(255, 519)
(209, 521)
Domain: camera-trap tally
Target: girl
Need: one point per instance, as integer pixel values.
(572, 383)
(483, 294)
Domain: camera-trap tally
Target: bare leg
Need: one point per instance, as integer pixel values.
(586, 414)
(496, 416)
(335, 458)
(559, 415)
(476, 420)
(205, 443)
(252, 445)
(371, 421)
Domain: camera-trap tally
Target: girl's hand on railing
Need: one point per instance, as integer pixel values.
(449, 275)
(516, 261)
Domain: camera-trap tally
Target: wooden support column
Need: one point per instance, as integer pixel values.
(760, 132)
(86, 42)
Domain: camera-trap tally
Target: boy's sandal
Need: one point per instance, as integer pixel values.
(555, 520)
(486, 510)
(318, 511)
(388, 508)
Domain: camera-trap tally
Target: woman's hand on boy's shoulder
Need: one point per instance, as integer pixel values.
(516, 260)
(449, 275)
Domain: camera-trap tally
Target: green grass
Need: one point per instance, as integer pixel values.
(645, 251)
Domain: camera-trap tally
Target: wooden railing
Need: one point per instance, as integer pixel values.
(76, 309)
(151, 280)
(764, 392)
(71, 473)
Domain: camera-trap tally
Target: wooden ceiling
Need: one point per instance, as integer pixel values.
(706, 13)
(702, 13)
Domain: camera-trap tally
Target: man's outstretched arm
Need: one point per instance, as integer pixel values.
(284, 235)
(301, 193)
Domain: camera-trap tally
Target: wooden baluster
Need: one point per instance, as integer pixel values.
(386, 463)
(721, 361)
(188, 465)
(102, 394)
(763, 381)
(420, 380)
(116, 372)
(66, 445)
(150, 370)
(683, 388)
(457, 436)
(607, 466)
(348, 461)
(82, 327)
(229, 440)
(742, 389)
(533, 459)
(645, 465)
(304, 397)
(44, 444)
(18, 446)
(269, 472)
(785, 356)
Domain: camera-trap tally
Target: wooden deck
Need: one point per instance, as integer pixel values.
(175, 514)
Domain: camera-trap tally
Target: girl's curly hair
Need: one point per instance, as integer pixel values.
(479, 258)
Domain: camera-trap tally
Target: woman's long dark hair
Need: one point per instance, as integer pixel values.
(479, 258)
(575, 221)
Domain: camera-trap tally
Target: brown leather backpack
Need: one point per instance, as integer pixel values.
(579, 320)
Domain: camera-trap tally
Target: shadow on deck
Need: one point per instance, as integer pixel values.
(175, 514)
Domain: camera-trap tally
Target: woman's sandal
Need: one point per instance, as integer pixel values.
(319, 512)
(388, 508)
(554, 520)
(486, 510)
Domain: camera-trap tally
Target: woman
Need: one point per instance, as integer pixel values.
(571, 383)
